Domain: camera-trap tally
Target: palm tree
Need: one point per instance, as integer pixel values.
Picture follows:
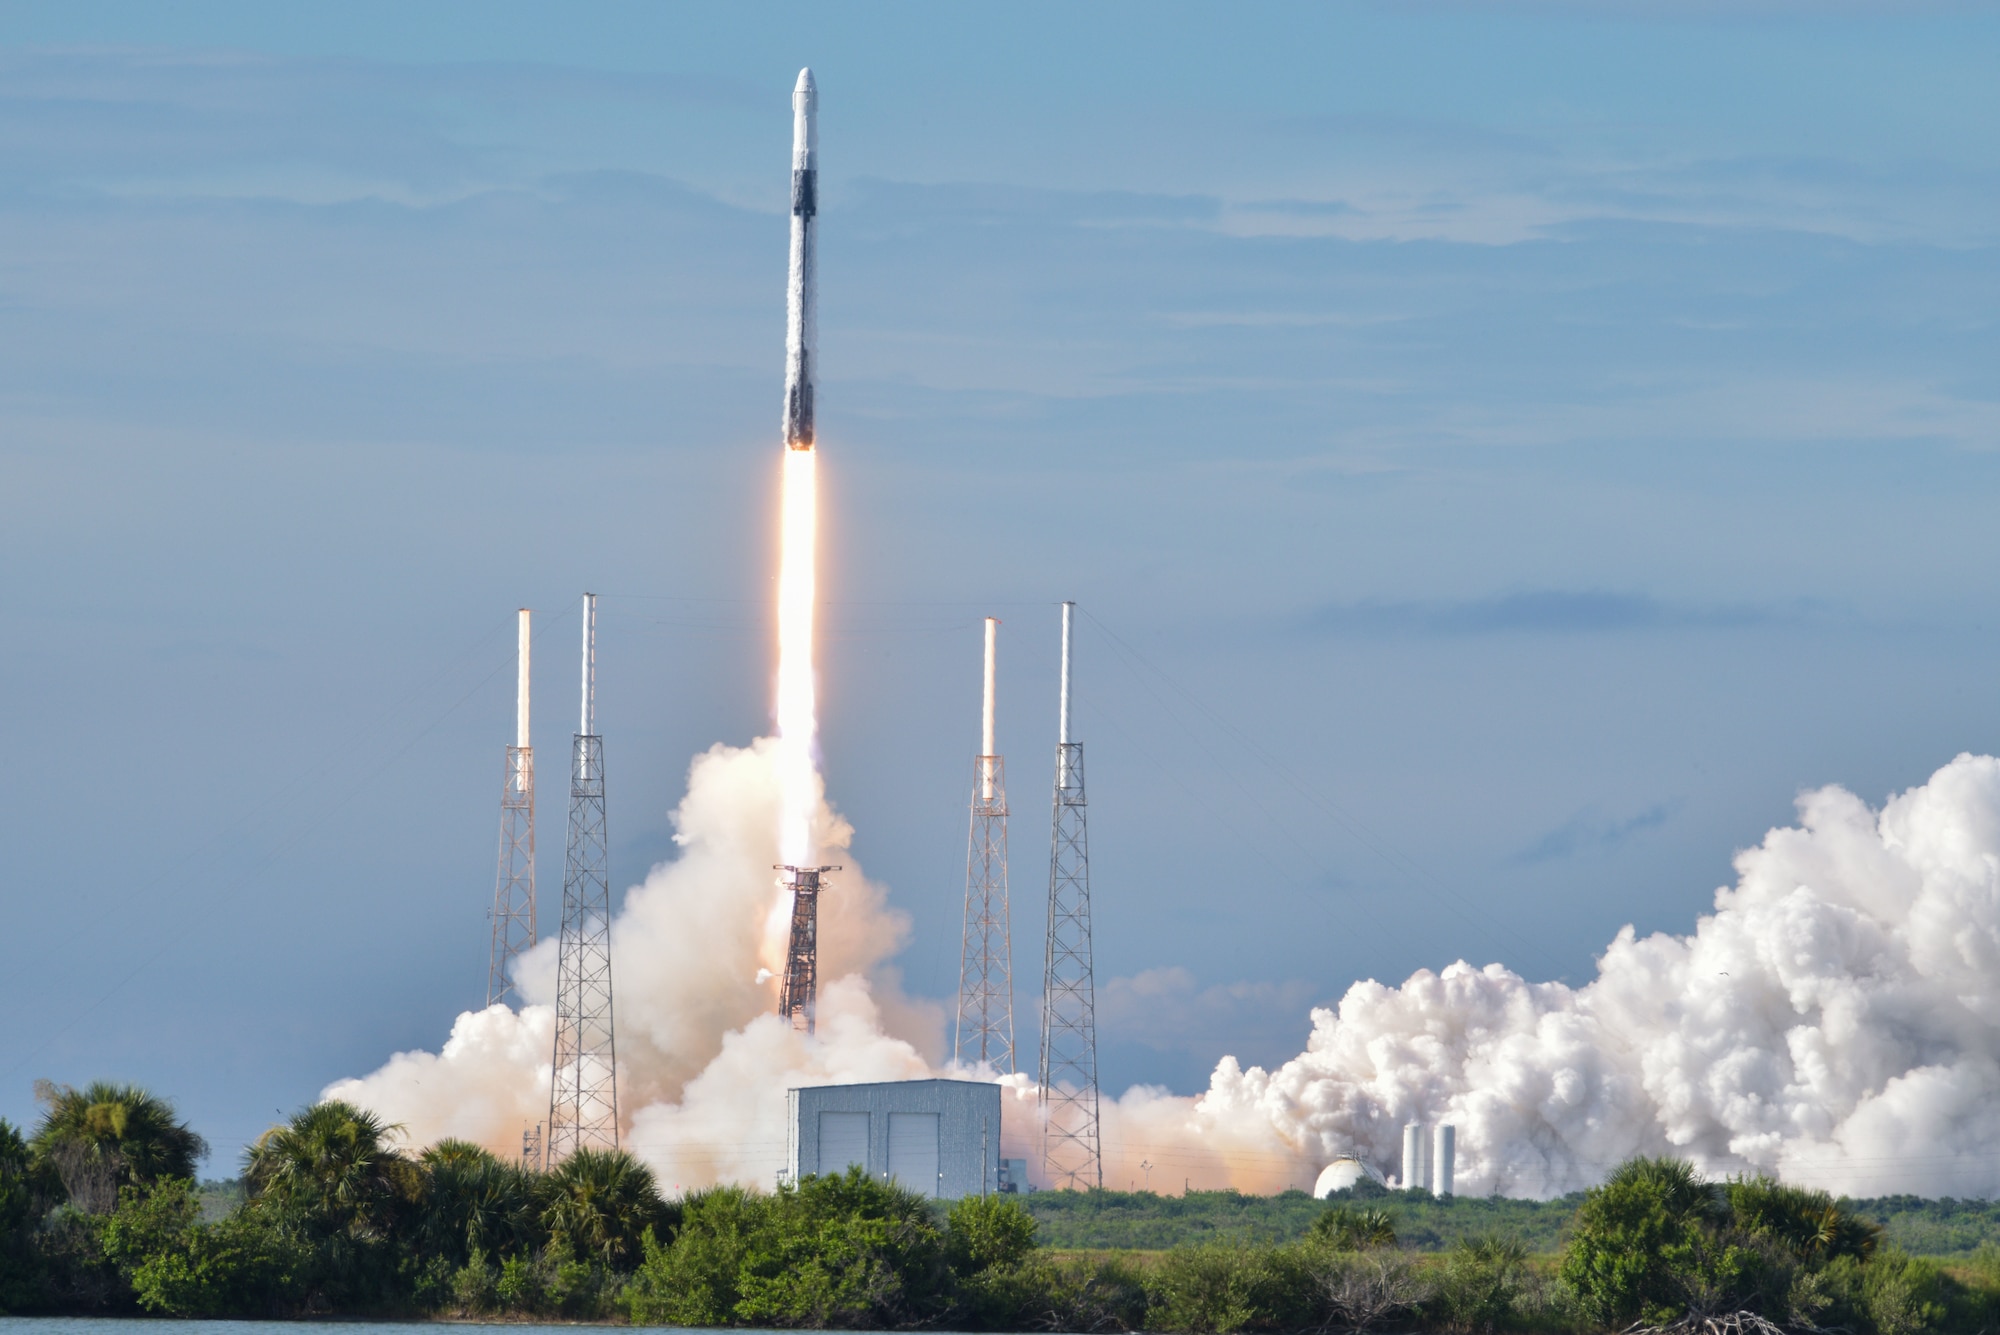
(1809, 1223)
(1346, 1230)
(451, 1150)
(16, 1195)
(332, 1168)
(600, 1202)
(472, 1201)
(106, 1136)
(1686, 1196)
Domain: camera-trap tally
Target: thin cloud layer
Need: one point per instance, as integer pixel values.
(1540, 612)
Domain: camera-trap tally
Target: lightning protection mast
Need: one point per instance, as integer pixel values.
(514, 891)
(985, 1031)
(1072, 1156)
(583, 1092)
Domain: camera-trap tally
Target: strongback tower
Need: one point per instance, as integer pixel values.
(514, 891)
(1067, 1081)
(798, 999)
(583, 1093)
(985, 1030)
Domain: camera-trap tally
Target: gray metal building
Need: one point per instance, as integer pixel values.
(937, 1137)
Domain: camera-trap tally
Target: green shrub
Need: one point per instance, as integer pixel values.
(1977, 1305)
(72, 1273)
(178, 1265)
(1209, 1289)
(472, 1285)
(1043, 1292)
(984, 1231)
(514, 1288)
(235, 1267)
(1647, 1246)
(1479, 1282)
(694, 1281)
(573, 1287)
(835, 1251)
(844, 1251)
(1903, 1294)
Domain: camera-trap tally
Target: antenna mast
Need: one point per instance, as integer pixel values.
(1067, 1080)
(513, 912)
(984, 1034)
(583, 1092)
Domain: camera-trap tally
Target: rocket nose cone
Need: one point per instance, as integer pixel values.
(805, 83)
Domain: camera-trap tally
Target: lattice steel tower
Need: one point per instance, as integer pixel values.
(798, 999)
(985, 1029)
(513, 912)
(1072, 1155)
(583, 1093)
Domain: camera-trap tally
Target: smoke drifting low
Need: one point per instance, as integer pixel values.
(1835, 1020)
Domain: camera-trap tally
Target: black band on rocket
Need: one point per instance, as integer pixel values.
(805, 192)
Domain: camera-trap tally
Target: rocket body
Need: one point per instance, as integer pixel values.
(801, 295)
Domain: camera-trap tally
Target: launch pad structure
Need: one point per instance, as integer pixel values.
(513, 913)
(583, 1090)
(984, 1033)
(1072, 1152)
(798, 999)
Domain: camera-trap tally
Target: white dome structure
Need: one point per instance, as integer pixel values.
(1342, 1174)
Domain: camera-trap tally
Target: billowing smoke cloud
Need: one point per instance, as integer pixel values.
(1835, 1020)
(703, 1062)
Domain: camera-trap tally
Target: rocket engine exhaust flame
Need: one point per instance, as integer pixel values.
(797, 718)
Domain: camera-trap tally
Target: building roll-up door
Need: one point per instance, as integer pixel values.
(913, 1151)
(843, 1140)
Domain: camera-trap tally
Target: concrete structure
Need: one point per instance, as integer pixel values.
(938, 1138)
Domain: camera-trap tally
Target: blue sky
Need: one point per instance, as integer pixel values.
(1502, 452)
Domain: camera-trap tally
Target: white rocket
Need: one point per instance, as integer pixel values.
(801, 299)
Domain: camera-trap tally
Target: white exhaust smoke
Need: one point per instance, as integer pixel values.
(1835, 1021)
(701, 1052)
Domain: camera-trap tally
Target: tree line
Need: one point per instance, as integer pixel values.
(100, 1214)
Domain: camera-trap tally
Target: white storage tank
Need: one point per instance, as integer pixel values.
(1414, 1145)
(1444, 1160)
(1342, 1174)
